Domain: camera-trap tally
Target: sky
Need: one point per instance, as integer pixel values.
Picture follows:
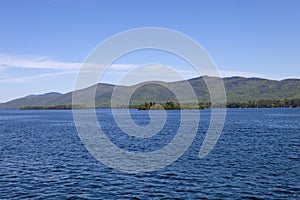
(44, 42)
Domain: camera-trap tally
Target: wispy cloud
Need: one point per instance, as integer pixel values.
(243, 74)
(35, 78)
(45, 62)
(114, 73)
(250, 75)
(2, 68)
(151, 72)
(59, 68)
(37, 62)
(11, 61)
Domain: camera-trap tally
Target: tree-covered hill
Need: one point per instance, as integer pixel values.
(238, 89)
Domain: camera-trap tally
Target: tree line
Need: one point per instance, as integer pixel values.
(56, 107)
(170, 105)
(282, 103)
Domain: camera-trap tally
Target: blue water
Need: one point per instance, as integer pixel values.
(257, 157)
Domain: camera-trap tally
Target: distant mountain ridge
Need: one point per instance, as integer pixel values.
(238, 89)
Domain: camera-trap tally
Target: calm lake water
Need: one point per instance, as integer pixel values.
(257, 157)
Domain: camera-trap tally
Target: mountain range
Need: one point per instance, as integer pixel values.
(238, 89)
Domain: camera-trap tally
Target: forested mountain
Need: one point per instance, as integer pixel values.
(238, 89)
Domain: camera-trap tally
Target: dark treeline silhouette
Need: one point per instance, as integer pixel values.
(170, 105)
(57, 107)
(283, 103)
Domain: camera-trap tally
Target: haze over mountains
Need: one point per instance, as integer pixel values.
(238, 89)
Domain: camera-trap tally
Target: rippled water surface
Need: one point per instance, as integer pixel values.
(257, 156)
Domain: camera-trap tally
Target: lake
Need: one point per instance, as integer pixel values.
(256, 157)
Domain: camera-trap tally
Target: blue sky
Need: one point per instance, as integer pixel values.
(43, 42)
